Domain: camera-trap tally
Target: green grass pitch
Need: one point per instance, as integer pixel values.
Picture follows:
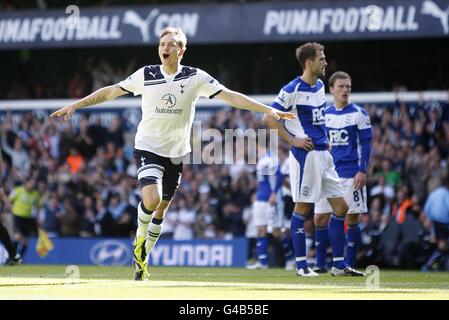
(182, 283)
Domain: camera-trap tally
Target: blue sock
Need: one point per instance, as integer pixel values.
(353, 244)
(321, 243)
(287, 246)
(337, 240)
(299, 240)
(262, 245)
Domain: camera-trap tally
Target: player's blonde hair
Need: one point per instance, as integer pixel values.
(178, 34)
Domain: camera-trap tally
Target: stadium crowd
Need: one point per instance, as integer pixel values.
(85, 178)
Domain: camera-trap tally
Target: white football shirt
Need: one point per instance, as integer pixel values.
(168, 106)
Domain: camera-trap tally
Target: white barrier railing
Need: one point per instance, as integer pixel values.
(120, 103)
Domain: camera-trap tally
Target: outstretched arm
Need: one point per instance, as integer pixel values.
(101, 95)
(242, 101)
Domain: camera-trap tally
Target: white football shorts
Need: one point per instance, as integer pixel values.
(356, 199)
(264, 214)
(313, 176)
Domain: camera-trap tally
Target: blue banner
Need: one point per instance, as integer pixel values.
(118, 252)
(226, 23)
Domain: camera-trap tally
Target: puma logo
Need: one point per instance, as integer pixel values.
(432, 9)
(132, 18)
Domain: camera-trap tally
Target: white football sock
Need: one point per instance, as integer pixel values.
(154, 231)
(143, 220)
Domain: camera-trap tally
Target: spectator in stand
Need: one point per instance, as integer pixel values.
(70, 221)
(392, 177)
(437, 170)
(184, 229)
(88, 218)
(97, 132)
(402, 205)
(115, 133)
(233, 219)
(50, 216)
(104, 222)
(67, 140)
(75, 161)
(116, 206)
(19, 157)
(83, 141)
(205, 222)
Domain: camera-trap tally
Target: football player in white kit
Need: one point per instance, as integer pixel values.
(349, 130)
(169, 94)
(312, 171)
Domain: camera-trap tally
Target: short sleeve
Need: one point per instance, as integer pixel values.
(207, 85)
(134, 83)
(282, 101)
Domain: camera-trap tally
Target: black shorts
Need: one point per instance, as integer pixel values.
(152, 169)
(24, 226)
(441, 230)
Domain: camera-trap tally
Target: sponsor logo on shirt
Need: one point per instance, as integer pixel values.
(169, 101)
(338, 137)
(318, 116)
